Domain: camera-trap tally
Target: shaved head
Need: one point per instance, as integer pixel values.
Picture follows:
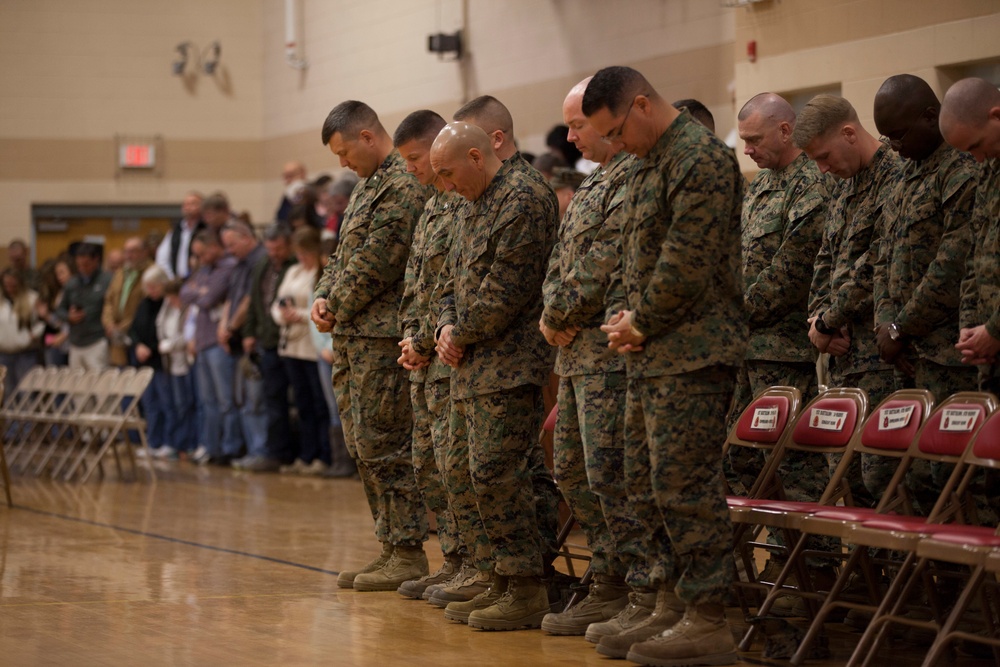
(770, 107)
(906, 113)
(464, 159)
(906, 91)
(970, 118)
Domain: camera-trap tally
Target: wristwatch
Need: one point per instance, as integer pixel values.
(823, 328)
(895, 333)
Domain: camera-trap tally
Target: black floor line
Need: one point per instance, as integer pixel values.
(175, 540)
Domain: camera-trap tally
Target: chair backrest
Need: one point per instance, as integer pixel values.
(829, 422)
(951, 426)
(550, 421)
(892, 427)
(761, 426)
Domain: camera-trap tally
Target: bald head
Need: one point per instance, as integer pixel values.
(770, 107)
(970, 118)
(463, 158)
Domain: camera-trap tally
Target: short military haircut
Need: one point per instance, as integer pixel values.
(488, 113)
(698, 111)
(614, 88)
(349, 119)
(821, 115)
(423, 124)
(770, 106)
(969, 101)
(215, 202)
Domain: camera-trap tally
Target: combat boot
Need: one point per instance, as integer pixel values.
(415, 588)
(640, 605)
(346, 579)
(524, 605)
(667, 612)
(702, 637)
(464, 590)
(466, 570)
(459, 611)
(607, 596)
(406, 563)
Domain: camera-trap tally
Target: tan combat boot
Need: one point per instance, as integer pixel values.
(415, 588)
(640, 606)
(460, 611)
(667, 612)
(406, 563)
(346, 579)
(464, 590)
(524, 605)
(606, 598)
(466, 570)
(702, 637)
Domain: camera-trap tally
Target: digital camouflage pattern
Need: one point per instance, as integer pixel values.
(492, 284)
(437, 396)
(784, 213)
(681, 254)
(681, 276)
(425, 468)
(981, 286)
(924, 251)
(843, 277)
(585, 257)
(363, 281)
(418, 313)
(362, 284)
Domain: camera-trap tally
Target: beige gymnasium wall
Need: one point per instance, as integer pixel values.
(856, 44)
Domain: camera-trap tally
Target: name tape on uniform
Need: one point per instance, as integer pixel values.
(958, 421)
(893, 419)
(765, 419)
(827, 420)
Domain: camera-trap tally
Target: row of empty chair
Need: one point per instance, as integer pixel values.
(961, 435)
(65, 423)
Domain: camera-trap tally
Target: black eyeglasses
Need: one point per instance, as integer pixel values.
(616, 134)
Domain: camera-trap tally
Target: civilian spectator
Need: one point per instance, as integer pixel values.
(291, 312)
(215, 368)
(174, 252)
(157, 405)
(294, 176)
(177, 364)
(20, 328)
(55, 275)
(81, 307)
(215, 212)
(18, 258)
(122, 299)
(340, 194)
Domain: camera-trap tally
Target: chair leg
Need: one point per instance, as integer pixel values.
(878, 630)
(943, 638)
(6, 476)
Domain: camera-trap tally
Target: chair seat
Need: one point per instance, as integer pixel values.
(901, 523)
(976, 536)
(848, 514)
(792, 506)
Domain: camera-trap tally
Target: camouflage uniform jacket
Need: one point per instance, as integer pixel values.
(580, 269)
(783, 217)
(981, 287)
(922, 257)
(842, 280)
(681, 254)
(492, 285)
(431, 243)
(363, 281)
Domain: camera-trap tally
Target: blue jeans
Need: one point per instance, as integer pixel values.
(279, 429)
(216, 373)
(314, 418)
(183, 437)
(253, 415)
(326, 382)
(18, 364)
(158, 408)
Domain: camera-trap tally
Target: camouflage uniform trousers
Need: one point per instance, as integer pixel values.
(673, 426)
(926, 479)
(431, 405)
(490, 474)
(868, 475)
(589, 455)
(381, 426)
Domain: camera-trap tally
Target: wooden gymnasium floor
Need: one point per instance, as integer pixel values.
(213, 567)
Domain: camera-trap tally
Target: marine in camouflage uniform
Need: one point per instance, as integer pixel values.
(841, 295)
(686, 334)
(362, 287)
(923, 255)
(430, 393)
(587, 442)
(491, 301)
(980, 304)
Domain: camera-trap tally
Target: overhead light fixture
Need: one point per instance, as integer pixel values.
(193, 61)
(180, 65)
(210, 57)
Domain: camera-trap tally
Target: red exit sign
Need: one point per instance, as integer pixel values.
(137, 156)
